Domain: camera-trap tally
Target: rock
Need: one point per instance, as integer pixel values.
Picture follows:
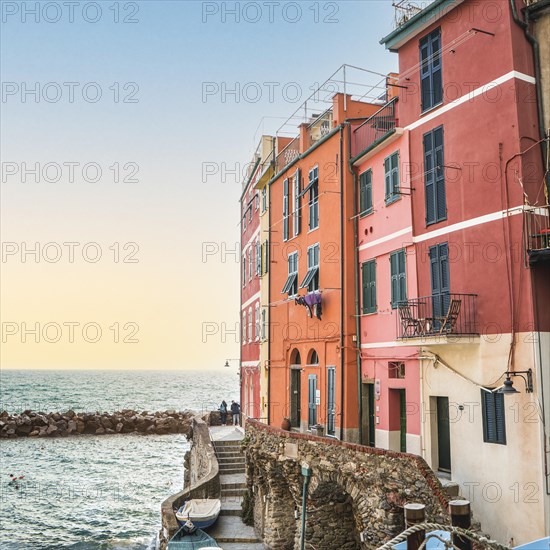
(100, 431)
(80, 426)
(109, 431)
(106, 423)
(51, 430)
(71, 426)
(34, 433)
(119, 427)
(70, 413)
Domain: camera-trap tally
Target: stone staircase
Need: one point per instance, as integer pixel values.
(229, 531)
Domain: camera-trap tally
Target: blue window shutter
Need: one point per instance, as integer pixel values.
(431, 79)
(429, 178)
(363, 192)
(439, 160)
(297, 202)
(369, 191)
(387, 176)
(402, 276)
(436, 76)
(394, 279)
(425, 83)
(285, 209)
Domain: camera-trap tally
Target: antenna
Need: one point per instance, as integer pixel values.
(404, 10)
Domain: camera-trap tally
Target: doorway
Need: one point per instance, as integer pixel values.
(402, 421)
(367, 420)
(443, 435)
(295, 394)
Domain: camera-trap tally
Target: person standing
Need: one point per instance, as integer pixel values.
(236, 412)
(223, 413)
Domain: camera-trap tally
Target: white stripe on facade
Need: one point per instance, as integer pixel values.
(469, 96)
(251, 300)
(468, 223)
(387, 238)
(250, 363)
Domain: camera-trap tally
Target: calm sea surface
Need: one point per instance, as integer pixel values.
(93, 492)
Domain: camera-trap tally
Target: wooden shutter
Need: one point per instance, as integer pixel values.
(425, 74)
(297, 202)
(429, 178)
(439, 163)
(394, 278)
(435, 67)
(369, 286)
(387, 176)
(401, 269)
(500, 426)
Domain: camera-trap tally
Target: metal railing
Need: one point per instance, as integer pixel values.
(375, 128)
(437, 315)
(288, 154)
(537, 227)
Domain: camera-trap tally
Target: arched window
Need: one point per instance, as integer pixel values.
(257, 313)
(250, 336)
(295, 358)
(313, 358)
(244, 328)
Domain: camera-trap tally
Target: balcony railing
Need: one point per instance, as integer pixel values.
(438, 315)
(537, 232)
(288, 154)
(375, 128)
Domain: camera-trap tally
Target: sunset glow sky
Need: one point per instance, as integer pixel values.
(152, 285)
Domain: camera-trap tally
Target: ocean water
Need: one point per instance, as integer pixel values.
(96, 492)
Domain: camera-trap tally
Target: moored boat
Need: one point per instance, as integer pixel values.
(202, 512)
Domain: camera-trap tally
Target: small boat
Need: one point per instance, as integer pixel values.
(184, 540)
(202, 512)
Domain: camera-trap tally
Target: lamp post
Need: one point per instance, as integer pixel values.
(306, 472)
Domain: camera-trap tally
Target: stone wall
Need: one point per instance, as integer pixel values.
(353, 489)
(202, 479)
(55, 424)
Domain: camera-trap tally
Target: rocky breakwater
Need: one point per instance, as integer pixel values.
(39, 424)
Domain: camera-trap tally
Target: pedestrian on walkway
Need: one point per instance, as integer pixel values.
(223, 413)
(236, 412)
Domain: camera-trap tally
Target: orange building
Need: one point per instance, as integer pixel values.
(313, 358)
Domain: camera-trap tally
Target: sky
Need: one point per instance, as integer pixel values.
(125, 131)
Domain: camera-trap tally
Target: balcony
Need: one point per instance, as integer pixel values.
(375, 129)
(537, 233)
(442, 315)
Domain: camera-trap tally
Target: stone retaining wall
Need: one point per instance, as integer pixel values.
(353, 489)
(202, 479)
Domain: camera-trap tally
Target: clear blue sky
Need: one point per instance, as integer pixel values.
(173, 49)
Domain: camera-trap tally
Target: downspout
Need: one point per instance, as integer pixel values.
(342, 288)
(536, 60)
(269, 286)
(357, 291)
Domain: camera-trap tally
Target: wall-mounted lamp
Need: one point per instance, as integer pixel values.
(508, 387)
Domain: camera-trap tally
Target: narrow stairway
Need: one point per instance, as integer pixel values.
(229, 531)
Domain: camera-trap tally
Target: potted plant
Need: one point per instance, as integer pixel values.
(285, 424)
(320, 429)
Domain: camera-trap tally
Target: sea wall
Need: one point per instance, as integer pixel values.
(202, 478)
(39, 424)
(353, 489)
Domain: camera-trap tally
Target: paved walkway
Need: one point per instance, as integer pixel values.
(229, 531)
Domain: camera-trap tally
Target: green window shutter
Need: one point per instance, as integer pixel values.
(394, 279)
(369, 286)
(387, 178)
(402, 276)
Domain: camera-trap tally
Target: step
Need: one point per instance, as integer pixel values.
(232, 507)
(232, 529)
(227, 443)
(229, 454)
(232, 471)
(229, 493)
(231, 463)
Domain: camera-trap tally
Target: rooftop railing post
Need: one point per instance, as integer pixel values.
(459, 511)
(415, 513)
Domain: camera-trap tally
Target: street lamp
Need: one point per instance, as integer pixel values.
(508, 386)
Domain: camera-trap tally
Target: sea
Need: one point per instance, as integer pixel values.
(96, 492)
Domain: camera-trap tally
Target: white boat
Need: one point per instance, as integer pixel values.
(203, 512)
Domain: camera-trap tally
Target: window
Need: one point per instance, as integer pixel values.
(285, 210)
(264, 199)
(365, 193)
(434, 176)
(331, 400)
(494, 426)
(311, 400)
(296, 212)
(258, 324)
(313, 187)
(264, 323)
(244, 269)
(311, 280)
(256, 201)
(265, 257)
(244, 328)
(244, 220)
(250, 324)
(249, 212)
(258, 259)
(291, 285)
(313, 358)
(431, 82)
(398, 278)
(391, 172)
(396, 369)
(369, 286)
(250, 262)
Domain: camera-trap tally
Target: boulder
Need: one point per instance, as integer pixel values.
(51, 430)
(100, 431)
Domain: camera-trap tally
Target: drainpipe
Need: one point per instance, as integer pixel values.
(268, 191)
(536, 61)
(357, 290)
(306, 472)
(342, 289)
